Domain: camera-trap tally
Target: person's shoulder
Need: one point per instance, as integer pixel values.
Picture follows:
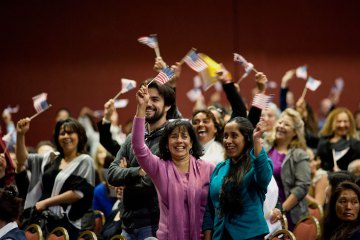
(86, 158)
(300, 154)
(204, 164)
(221, 165)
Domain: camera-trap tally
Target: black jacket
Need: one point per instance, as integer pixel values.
(140, 204)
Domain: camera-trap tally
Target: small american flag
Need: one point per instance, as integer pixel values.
(127, 85)
(312, 84)
(240, 59)
(10, 109)
(261, 100)
(301, 72)
(150, 41)
(121, 103)
(195, 62)
(7, 138)
(40, 102)
(165, 75)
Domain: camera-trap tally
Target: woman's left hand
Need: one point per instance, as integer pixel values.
(259, 130)
(142, 96)
(276, 216)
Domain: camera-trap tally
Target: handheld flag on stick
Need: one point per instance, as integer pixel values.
(208, 75)
(152, 42)
(248, 66)
(118, 103)
(40, 104)
(301, 72)
(194, 61)
(121, 103)
(311, 84)
(338, 86)
(261, 100)
(165, 75)
(7, 137)
(126, 85)
(10, 109)
(194, 94)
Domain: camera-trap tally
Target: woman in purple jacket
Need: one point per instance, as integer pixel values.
(182, 182)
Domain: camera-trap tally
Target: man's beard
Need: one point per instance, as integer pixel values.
(157, 115)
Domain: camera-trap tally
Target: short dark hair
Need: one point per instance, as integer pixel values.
(168, 95)
(10, 204)
(197, 150)
(77, 128)
(335, 178)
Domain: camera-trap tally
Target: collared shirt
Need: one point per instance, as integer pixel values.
(7, 228)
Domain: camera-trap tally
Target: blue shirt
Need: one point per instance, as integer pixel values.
(250, 222)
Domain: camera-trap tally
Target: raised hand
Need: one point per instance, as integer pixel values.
(142, 99)
(223, 74)
(159, 64)
(109, 109)
(22, 126)
(261, 81)
(286, 78)
(259, 130)
(177, 69)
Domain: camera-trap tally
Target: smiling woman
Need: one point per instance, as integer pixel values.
(62, 181)
(181, 180)
(339, 144)
(209, 133)
(291, 164)
(238, 185)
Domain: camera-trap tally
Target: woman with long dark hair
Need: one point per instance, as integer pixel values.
(239, 184)
(342, 218)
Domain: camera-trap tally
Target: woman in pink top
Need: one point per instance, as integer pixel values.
(182, 182)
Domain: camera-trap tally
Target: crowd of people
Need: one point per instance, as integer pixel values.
(223, 173)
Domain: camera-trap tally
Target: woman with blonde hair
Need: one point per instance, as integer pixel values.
(287, 150)
(339, 144)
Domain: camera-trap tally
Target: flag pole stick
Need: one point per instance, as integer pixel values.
(117, 95)
(182, 60)
(256, 71)
(304, 93)
(38, 113)
(157, 49)
(6, 148)
(150, 82)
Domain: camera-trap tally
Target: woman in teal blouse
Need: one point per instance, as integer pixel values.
(238, 185)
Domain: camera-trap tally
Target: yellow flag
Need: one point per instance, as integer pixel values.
(208, 75)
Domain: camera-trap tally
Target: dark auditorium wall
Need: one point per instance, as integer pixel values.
(77, 51)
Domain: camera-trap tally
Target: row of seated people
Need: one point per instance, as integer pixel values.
(72, 148)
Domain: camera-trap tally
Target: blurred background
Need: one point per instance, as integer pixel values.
(77, 51)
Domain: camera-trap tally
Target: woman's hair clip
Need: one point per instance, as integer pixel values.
(10, 192)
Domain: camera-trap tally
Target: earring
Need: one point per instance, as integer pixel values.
(191, 151)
